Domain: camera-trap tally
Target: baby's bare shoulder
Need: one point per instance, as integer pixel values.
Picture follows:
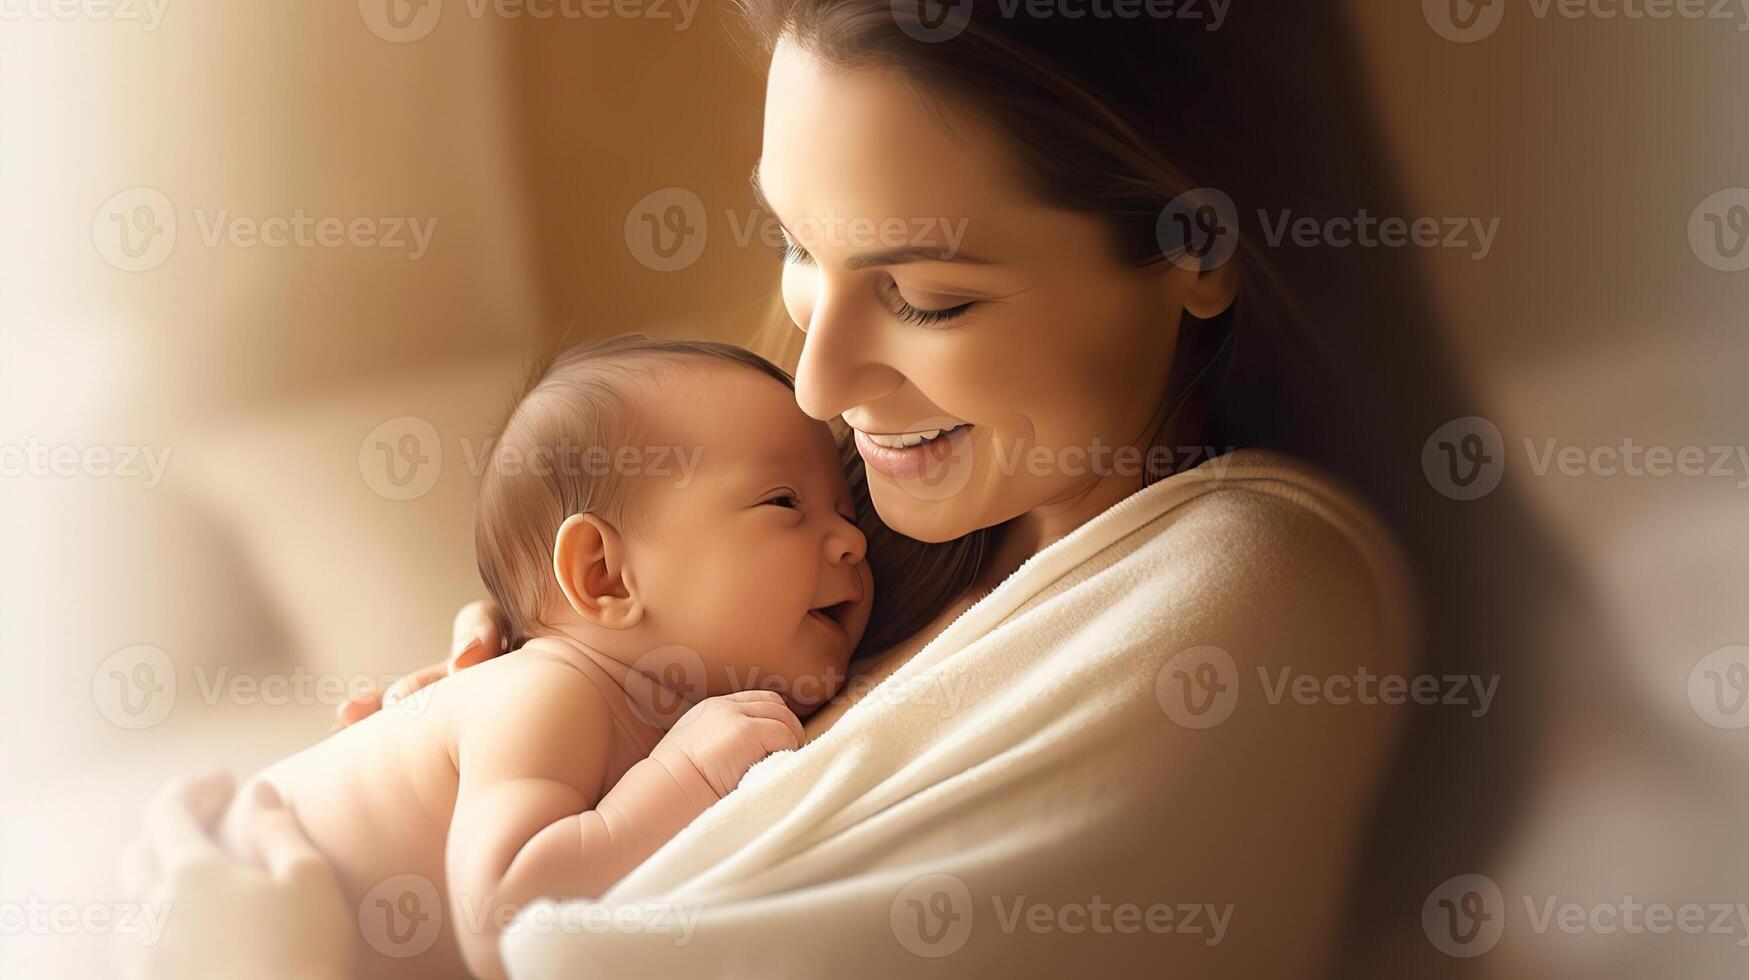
(531, 704)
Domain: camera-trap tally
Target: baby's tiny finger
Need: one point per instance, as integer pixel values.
(775, 735)
(777, 710)
(758, 694)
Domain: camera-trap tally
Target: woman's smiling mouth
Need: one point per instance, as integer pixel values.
(909, 454)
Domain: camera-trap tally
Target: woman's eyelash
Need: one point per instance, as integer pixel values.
(916, 314)
(791, 252)
(911, 314)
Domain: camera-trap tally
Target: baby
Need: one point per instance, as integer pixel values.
(673, 544)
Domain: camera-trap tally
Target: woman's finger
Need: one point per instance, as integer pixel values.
(137, 870)
(180, 817)
(358, 708)
(476, 636)
(410, 684)
(274, 837)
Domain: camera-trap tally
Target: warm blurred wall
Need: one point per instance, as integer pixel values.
(273, 540)
(608, 114)
(1595, 323)
(260, 110)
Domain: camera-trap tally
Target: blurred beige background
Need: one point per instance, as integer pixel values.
(301, 391)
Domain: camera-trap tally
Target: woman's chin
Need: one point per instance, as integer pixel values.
(920, 515)
(920, 518)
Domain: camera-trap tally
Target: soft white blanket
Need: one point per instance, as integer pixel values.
(1102, 768)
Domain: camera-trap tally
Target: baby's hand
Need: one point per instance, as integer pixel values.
(720, 738)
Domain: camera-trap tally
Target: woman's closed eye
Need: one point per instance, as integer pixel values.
(923, 316)
(888, 291)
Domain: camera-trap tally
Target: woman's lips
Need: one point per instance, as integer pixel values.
(911, 462)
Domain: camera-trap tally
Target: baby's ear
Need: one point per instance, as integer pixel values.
(589, 565)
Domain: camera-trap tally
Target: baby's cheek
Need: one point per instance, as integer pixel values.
(762, 618)
(743, 606)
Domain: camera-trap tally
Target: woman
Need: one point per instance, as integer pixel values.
(1083, 294)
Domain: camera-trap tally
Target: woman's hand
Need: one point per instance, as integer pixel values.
(478, 638)
(284, 918)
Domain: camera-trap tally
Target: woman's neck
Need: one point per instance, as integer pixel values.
(1044, 525)
(1051, 521)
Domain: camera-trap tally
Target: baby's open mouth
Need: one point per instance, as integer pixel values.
(835, 616)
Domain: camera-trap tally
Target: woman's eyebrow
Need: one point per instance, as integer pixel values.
(759, 191)
(913, 253)
(892, 256)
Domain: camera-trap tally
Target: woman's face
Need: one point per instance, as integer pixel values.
(939, 297)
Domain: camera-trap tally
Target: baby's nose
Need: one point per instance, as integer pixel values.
(845, 544)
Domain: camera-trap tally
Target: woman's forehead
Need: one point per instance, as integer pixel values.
(865, 142)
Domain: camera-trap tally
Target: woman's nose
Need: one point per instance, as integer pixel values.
(840, 365)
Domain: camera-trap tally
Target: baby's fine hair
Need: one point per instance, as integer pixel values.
(553, 458)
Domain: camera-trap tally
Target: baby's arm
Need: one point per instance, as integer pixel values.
(530, 822)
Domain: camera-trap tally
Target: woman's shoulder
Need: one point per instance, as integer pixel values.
(1258, 483)
(1270, 538)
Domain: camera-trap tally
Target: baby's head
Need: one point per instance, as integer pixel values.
(667, 500)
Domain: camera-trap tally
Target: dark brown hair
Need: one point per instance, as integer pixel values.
(578, 400)
(1331, 355)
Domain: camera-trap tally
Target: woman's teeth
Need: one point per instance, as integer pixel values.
(905, 440)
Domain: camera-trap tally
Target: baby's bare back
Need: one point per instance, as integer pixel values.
(376, 799)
